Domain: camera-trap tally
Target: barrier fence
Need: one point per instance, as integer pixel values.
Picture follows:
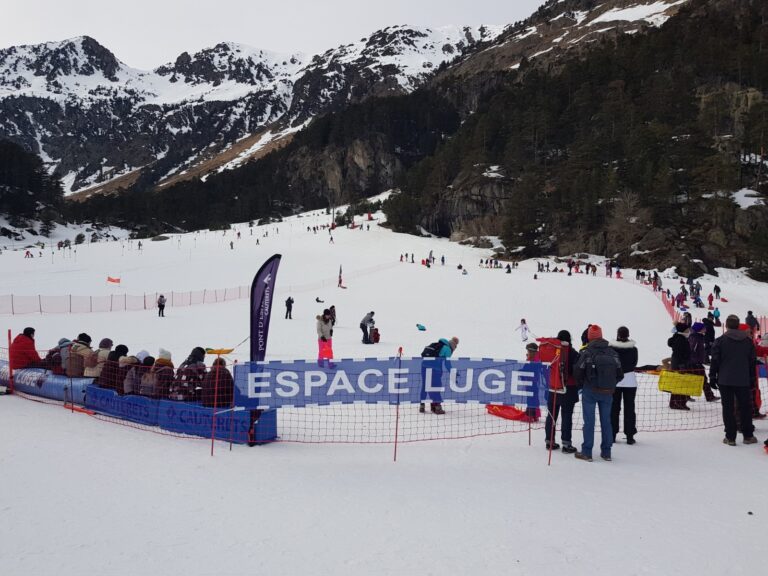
(14, 304)
(170, 405)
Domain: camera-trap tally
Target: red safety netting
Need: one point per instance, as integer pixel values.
(656, 408)
(15, 304)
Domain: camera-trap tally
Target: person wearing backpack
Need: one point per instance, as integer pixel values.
(161, 300)
(80, 350)
(435, 357)
(598, 371)
(563, 400)
(626, 389)
(95, 362)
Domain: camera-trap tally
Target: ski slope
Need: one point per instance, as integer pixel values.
(88, 497)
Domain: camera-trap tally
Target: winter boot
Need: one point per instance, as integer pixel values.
(421, 408)
(552, 446)
(568, 448)
(750, 440)
(582, 456)
(631, 440)
(437, 408)
(729, 442)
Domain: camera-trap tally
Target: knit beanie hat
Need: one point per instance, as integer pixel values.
(141, 354)
(163, 354)
(564, 336)
(697, 327)
(105, 343)
(121, 349)
(681, 327)
(29, 332)
(594, 332)
(63, 341)
(84, 338)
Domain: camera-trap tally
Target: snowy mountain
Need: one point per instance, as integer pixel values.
(92, 118)
(101, 125)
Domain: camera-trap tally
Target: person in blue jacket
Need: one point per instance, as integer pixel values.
(434, 363)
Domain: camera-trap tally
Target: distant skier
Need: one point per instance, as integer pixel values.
(161, 306)
(524, 330)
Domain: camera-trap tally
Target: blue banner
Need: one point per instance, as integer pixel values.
(262, 290)
(268, 385)
(134, 408)
(196, 420)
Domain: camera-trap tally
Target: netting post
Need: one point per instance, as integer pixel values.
(111, 296)
(90, 303)
(397, 408)
(125, 302)
(204, 290)
(13, 311)
(10, 367)
(40, 303)
(231, 414)
(70, 303)
(215, 398)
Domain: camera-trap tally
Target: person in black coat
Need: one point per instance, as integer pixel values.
(681, 360)
(709, 336)
(733, 371)
(626, 389)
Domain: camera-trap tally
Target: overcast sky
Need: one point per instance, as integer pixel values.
(147, 33)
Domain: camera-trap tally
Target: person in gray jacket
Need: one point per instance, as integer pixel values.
(733, 371)
(366, 325)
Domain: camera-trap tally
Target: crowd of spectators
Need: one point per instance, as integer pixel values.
(115, 368)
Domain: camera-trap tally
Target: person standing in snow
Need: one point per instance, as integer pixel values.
(626, 389)
(598, 371)
(681, 358)
(289, 308)
(752, 322)
(733, 371)
(324, 337)
(698, 345)
(566, 399)
(717, 291)
(161, 306)
(524, 330)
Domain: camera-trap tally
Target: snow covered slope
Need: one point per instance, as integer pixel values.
(90, 497)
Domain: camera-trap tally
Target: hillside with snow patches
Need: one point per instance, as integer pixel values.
(95, 120)
(94, 497)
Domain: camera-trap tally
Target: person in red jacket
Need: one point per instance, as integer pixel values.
(23, 353)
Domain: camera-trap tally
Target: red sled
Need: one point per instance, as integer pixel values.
(724, 299)
(375, 336)
(514, 413)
